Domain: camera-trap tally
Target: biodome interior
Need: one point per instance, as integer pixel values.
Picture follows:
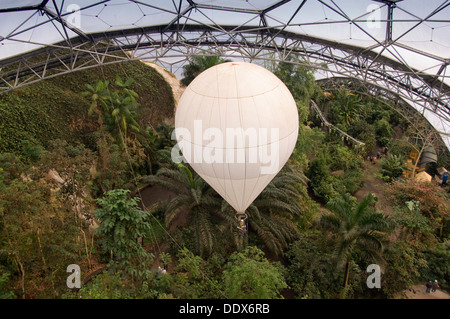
(399, 47)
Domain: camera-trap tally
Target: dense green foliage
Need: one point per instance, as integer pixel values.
(4, 293)
(311, 270)
(335, 170)
(438, 263)
(122, 223)
(77, 152)
(249, 275)
(357, 228)
(38, 228)
(197, 64)
(55, 109)
(392, 167)
(300, 81)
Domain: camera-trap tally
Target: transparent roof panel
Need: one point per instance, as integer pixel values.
(424, 25)
(240, 4)
(15, 4)
(419, 29)
(416, 37)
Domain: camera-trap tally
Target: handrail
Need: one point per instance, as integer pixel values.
(328, 124)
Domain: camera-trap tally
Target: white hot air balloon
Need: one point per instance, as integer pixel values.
(236, 124)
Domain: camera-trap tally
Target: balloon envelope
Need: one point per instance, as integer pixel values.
(236, 125)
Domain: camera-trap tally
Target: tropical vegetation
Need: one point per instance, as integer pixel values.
(95, 186)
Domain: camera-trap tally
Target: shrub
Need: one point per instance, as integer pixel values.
(122, 222)
(438, 268)
(319, 175)
(400, 147)
(107, 285)
(4, 293)
(392, 167)
(311, 270)
(434, 201)
(249, 275)
(364, 132)
(405, 260)
(383, 132)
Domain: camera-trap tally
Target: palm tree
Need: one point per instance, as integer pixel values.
(346, 106)
(392, 167)
(122, 113)
(194, 197)
(357, 228)
(197, 65)
(123, 103)
(99, 99)
(271, 215)
(116, 106)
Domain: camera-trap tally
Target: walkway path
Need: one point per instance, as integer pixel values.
(329, 125)
(374, 185)
(418, 292)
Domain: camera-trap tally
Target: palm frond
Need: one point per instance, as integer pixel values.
(174, 207)
(267, 236)
(204, 232)
(357, 228)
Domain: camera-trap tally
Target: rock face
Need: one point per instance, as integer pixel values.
(78, 203)
(53, 174)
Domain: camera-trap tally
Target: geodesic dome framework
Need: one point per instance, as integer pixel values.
(399, 46)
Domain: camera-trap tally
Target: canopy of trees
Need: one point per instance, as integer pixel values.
(311, 234)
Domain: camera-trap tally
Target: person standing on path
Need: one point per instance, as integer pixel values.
(428, 285)
(434, 286)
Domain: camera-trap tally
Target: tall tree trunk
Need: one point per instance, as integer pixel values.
(88, 256)
(22, 280)
(417, 160)
(16, 256)
(346, 273)
(44, 263)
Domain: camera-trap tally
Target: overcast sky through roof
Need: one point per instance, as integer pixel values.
(421, 37)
